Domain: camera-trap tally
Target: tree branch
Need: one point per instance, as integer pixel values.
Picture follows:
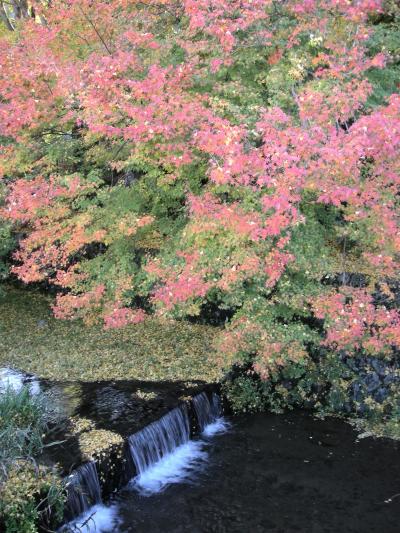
(95, 29)
(4, 17)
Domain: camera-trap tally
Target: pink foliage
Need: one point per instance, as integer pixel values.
(353, 321)
(122, 317)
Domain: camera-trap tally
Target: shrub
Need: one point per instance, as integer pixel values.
(23, 421)
(28, 495)
(177, 160)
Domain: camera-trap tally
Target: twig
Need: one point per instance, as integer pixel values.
(96, 30)
(389, 500)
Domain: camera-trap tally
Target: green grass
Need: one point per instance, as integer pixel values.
(27, 489)
(22, 424)
(31, 339)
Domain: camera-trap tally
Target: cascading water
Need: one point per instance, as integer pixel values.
(209, 414)
(159, 438)
(207, 411)
(83, 490)
(163, 453)
(84, 507)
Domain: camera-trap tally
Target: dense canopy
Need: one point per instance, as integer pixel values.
(227, 158)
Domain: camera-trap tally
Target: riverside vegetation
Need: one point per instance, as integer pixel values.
(205, 190)
(28, 491)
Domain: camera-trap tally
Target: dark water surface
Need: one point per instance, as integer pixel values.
(288, 473)
(268, 473)
(123, 407)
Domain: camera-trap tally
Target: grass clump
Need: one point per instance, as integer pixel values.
(23, 422)
(29, 493)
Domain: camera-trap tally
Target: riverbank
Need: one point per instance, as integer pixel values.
(361, 390)
(32, 340)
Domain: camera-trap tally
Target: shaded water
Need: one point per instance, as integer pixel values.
(269, 473)
(278, 474)
(123, 407)
(162, 454)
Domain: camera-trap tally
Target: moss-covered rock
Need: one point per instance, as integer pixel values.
(97, 443)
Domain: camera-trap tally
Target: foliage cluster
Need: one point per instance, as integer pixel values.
(330, 385)
(28, 495)
(231, 157)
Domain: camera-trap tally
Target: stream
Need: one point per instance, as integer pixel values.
(270, 473)
(249, 473)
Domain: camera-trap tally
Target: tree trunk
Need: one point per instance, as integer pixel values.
(4, 17)
(14, 10)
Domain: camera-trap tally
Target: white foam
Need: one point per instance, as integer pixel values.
(219, 426)
(34, 386)
(176, 467)
(98, 519)
(16, 380)
(10, 379)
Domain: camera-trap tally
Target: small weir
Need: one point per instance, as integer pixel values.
(162, 453)
(83, 490)
(159, 438)
(84, 509)
(207, 411)
(209, 414)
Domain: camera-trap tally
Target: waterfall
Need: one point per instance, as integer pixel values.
(163, 453)
(159, 438)
(209, 414)
(83, 490)
(84, 509)
(207, 411)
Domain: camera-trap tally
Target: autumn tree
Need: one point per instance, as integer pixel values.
(172, 157)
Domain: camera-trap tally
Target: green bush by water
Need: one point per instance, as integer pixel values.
(22, 424)
(29, 493)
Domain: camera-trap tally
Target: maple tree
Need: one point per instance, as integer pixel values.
(165, 156)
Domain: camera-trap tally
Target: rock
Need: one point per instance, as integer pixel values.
(379, 367)
(372, 382)
(381, 394)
